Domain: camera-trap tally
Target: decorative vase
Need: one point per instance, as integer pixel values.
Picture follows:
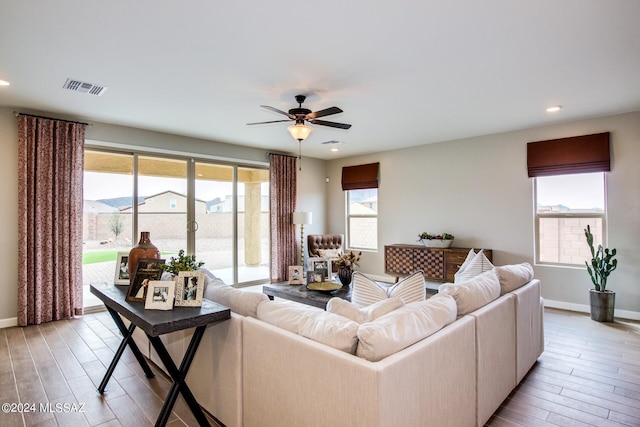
(602, 305)
(344, 274)
(144, 249)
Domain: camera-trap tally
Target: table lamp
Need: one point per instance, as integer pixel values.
(302, 218)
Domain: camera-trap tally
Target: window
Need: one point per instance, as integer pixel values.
(565, 205)
(362, 219)
(173, 204)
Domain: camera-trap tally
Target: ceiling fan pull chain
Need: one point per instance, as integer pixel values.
(299, 155)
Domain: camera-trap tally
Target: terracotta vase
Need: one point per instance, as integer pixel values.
(345, 274)
(144, 249)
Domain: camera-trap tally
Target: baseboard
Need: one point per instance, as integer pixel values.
(583, 308)
(7, 323)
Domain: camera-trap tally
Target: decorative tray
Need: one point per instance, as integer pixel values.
(324, 286)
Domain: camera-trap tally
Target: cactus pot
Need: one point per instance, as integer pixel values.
(602, 305)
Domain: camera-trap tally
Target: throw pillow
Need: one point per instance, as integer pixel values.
(332, 330)
(286, 314)
(366, 314)
(405, 326)
(329, 253)
(475, 293)
(366, 292)
(239, 301)
(477, 264)
(514, 276)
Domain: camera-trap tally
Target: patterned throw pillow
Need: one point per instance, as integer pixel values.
(366, 292)
(474, 265)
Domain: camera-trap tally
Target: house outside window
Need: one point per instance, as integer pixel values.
(362, 219)
(565, 205)
(173, 204)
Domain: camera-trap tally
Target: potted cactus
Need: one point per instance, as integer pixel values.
(602, 301)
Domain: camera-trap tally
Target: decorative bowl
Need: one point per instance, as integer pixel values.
(324, 286)
(436, 243)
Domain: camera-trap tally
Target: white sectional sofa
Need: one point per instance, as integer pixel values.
(251, 372)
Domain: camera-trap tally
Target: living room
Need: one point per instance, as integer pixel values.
(474, 186)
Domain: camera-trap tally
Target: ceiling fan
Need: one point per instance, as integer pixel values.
(301, 115)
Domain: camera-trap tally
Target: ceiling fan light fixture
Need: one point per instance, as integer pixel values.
(300, 131)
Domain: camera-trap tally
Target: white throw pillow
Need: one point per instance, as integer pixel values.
(239, 301)
(329, 253)
(477, 264)
(514, 276)
(404, 327)
(286, 314)
(366, 292)
(366, 314)
(332, 330)
(475, 293)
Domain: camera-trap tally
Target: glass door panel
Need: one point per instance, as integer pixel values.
(214, 216)
(162, 203)
(253, 225)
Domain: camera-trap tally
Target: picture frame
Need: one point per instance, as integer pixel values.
(314, 277)
(189, 288)
(321, 265)
(147, 269)
(296, 275)
(160, 295)
(122, 269)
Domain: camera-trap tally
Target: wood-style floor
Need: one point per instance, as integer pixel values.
(589, 375)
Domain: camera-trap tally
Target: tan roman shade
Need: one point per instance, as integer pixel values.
(578, 154)
(360, 177)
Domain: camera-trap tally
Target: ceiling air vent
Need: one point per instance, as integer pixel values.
(83, 87)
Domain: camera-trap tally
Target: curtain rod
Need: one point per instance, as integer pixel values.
(17, 113)
(280, 154)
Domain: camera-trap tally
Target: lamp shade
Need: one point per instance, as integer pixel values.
(300, 131)
(302, 217)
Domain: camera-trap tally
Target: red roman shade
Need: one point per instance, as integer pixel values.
(578, 154)
(360, 177)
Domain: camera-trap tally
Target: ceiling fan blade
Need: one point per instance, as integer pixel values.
(325, 112)
(275, 110)
(272, 121)
(330, 124)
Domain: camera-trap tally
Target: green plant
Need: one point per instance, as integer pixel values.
(602, 262)
(429, 236)
(182, 263)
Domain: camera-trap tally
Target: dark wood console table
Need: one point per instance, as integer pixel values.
(155, 323)
(438, 264)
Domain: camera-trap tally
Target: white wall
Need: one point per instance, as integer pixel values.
(478, 189)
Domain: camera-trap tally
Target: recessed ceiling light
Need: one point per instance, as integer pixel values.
(4, 83)
(554, 108)
(334, 149)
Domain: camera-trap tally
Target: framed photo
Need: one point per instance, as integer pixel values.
(314, 277)
(160, 294)
(122, 269)
(321, 265)
(147, 269)
(190, 288)
(295, 275)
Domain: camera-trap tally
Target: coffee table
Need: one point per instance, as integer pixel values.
(300, 293)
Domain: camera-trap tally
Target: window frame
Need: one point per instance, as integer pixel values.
(349, 216)
(539, 216)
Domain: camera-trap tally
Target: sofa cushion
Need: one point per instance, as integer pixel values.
(404, 327)
(473, 265)
(474, 293)
(514, 276)
(331, 329)
(239, 301)
(366, 292)
(286, 314)
(366, 314)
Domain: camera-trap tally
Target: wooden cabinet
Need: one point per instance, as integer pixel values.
(438, 264)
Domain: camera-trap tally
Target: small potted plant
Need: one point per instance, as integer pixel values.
(601, 300)
(182, 263)
(430, 240)
(346, 262)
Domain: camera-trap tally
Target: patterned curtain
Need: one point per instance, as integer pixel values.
(283, 191)
(50, 170)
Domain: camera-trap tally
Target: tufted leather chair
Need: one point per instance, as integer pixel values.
(315, 242)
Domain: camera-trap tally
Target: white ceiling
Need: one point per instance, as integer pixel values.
(405, 72)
